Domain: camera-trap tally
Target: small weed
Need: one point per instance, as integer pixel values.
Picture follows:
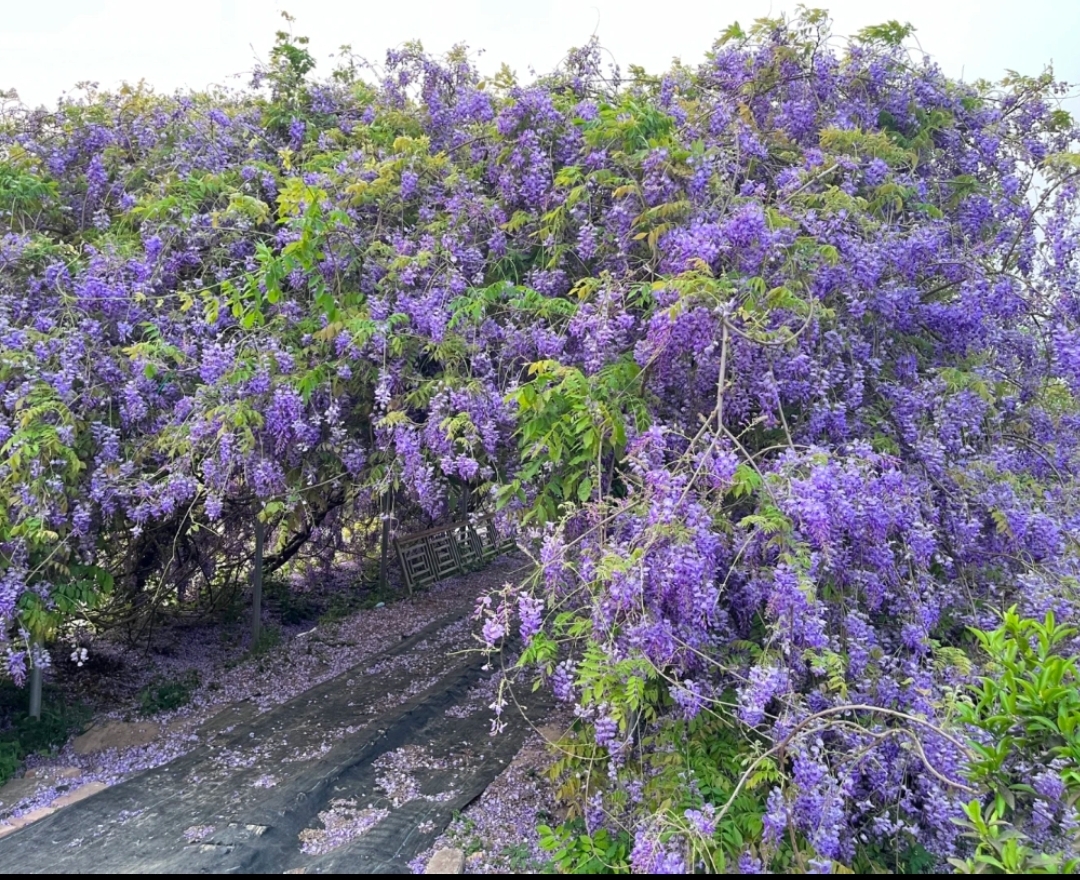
(374, 596)
(162, 695)
(464, 834)
(269, 638)
(520, 859)
(463, 824)
(340, 606)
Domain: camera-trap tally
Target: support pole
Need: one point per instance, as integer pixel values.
(384, 549)
(35, 688)
(257, 585)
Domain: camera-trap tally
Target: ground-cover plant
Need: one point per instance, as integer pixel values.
(777, 356)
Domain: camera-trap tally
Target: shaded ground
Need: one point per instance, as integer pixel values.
(357, 774)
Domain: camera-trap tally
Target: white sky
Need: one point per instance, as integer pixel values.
(48, 46)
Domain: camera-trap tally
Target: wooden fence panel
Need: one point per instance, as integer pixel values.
(416, 563)
(437, 553)
(488, 539)
(468, 547)
(444, 552)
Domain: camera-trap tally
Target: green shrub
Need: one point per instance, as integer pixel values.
(1028, 712)
(291, 607)
(25, 736)
(10, 759)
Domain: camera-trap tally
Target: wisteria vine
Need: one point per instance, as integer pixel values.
(777, 356)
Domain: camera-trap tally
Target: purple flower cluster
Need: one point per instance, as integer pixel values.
(819, 415)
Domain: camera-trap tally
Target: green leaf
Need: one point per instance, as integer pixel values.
(584, 490)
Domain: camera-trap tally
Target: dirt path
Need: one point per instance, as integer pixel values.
(356, 775)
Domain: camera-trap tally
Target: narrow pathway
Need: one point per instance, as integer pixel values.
(356, 775)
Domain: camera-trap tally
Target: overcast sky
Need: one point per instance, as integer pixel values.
(48, 46)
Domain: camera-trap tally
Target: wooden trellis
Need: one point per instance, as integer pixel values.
(457, 548)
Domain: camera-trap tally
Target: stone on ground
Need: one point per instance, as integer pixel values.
(446, 861)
